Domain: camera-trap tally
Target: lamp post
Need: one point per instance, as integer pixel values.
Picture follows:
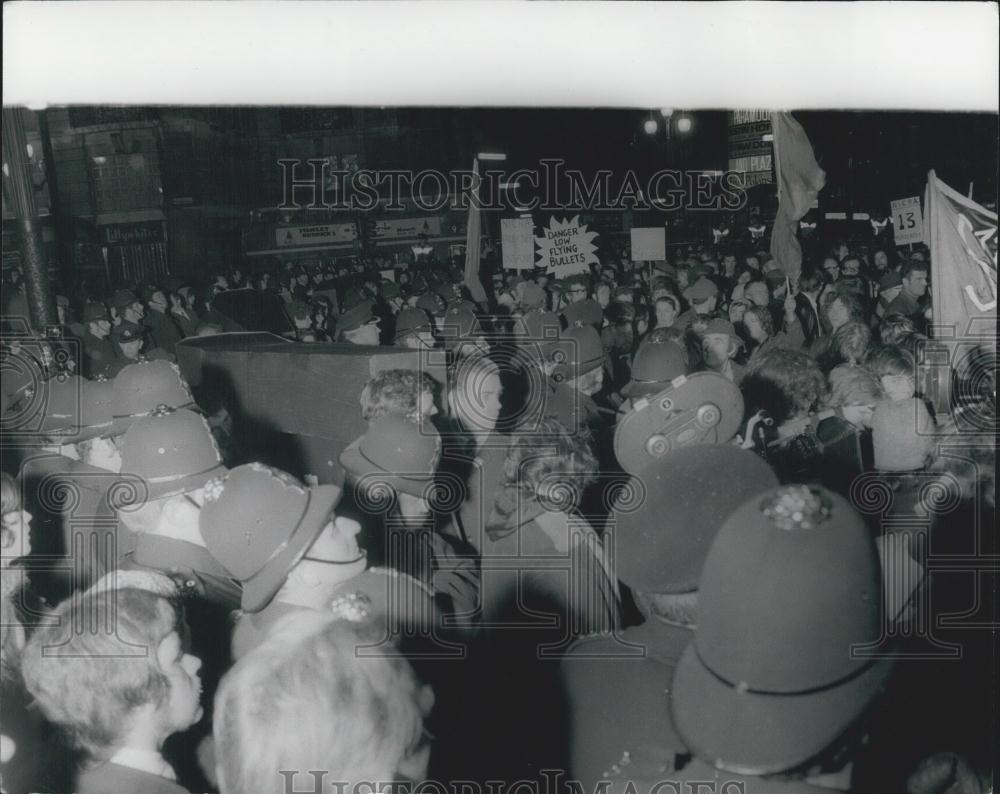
(20, 190)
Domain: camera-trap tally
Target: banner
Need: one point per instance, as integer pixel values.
(323, 234)
(517, 236)
(907, 222)
(648, 244)
(387, 229)
(566, 248)
(962, 237)
(800, 179)
(472, 249)
(750, 149)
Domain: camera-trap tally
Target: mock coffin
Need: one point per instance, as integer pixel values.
(294, 405)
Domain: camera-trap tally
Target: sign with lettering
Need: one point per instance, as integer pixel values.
(322, 234)
(517, 236)
(751, 146)
(392, 228)
(566, 248)
(907, 220)
(648, 244)
(133, 233)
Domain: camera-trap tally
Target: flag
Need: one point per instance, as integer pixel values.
(962, 237)
(473, 231)
(800, 179)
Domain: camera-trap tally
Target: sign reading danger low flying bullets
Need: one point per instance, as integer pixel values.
(566, 248)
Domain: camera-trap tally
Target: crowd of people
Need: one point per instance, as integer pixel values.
(663, 525)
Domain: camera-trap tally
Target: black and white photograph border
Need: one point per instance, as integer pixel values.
(380, 504)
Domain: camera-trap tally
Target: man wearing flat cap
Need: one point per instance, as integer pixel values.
(703, 296)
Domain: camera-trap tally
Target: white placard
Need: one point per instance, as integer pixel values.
(517, 235)
(566, 248)
(907, 221)
(649, 244)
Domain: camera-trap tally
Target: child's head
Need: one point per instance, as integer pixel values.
(307, 699)
(111, 667)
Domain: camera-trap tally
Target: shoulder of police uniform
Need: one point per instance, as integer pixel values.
(403, 579)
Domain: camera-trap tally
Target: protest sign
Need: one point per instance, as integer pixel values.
(648, 244)
(566, 248)
(907, 222)
(517, 236)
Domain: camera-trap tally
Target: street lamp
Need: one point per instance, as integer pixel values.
(650, 126)
(684, 124)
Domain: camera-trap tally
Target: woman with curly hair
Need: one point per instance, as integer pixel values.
(546, 471)
(545, 582)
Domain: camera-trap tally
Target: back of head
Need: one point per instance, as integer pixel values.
(307, 699)
(92, 666)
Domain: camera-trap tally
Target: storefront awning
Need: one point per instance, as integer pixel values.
(132, 216)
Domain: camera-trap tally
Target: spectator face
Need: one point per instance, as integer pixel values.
(898, 387)
(604, 295)
(16, 536)
(158, 302)
(576, 293)
(757, 293)
(832, 269)
(851, 267)
(100, 328)
(717, 347)
(665, 314)
(838, 314)
(728, 264)
(135, 312)
(131, 349)
(753, 262)
(181, 669)
(916, 284)
(754, 328)
(880, 260)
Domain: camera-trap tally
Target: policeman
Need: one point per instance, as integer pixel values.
(462, 332)
(99, 354)
(290, 551)
(164, 331)
(576, 366)
(127, 338)
(657, 362)
(171, 454)
(359, 325)
(703, 296)
(617, 685)
(787, 655)
(414, 329)
(72, 476)
(393, 468)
